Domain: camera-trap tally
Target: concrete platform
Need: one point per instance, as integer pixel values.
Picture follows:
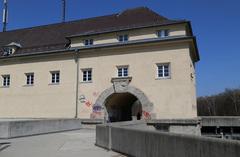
(66, 144)
(11, 128)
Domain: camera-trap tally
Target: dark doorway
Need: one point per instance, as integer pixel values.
(123, 107)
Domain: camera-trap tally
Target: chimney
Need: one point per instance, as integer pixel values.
(5, 15)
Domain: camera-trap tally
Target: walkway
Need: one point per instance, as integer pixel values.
(65, 144)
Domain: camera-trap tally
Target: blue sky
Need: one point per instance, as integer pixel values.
(216, 23)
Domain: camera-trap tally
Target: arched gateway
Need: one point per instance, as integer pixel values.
(123, 102)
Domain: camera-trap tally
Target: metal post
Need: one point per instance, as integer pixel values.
(5, 15)
(63, 10)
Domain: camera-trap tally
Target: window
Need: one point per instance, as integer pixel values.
(163, 70)
(30, 78)
(87, 75)
(55, 77)
(7, 51)
(88, 42)
(163, 33)
(6, 80)
(123, 71)
(123, 38)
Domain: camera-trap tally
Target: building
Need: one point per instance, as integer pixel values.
(133, 64)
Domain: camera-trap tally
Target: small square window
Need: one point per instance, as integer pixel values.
(87, 75)
(30, 78)
(123, 38)
(163, 33)
(6, 80)
(55, 77)
(88, 42)
(163, 70)
(123, 71)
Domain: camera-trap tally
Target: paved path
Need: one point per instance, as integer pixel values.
(78, 143)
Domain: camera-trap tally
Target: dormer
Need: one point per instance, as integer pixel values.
(10, 48)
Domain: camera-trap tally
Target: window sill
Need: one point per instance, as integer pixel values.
(123, 77)
(86, 82)
(5, 87)
(52, 84)
(28, 85)
(162, 78)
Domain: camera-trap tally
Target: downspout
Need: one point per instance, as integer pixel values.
(77, 81)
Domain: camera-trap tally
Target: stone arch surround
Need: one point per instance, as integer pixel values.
(124, 87)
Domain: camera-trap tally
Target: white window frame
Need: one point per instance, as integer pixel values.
(87, 75)
(164, 76)
(121, 70)
(123, 38)
(88, 42)
(55, 77)
(29, 79)
(163, 33)
(6, 80)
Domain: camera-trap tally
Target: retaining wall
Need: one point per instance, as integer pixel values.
(18, 128)
(148, 143)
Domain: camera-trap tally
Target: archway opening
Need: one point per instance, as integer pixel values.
(123, 107)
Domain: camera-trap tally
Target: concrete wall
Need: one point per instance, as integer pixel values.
(19, 128)
(103, 131)
(221, 121)
(4, 129)
(143, 143)
(182, 126)
(102, 136)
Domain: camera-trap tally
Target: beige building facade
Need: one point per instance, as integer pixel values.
(127, 69)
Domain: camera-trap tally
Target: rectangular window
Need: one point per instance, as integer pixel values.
(30, 78)
(163, 33)
(163, 70)
(123, 71)
(123, 38)
(88, 42)
(87, 75)
(6, 80)
(55, 77)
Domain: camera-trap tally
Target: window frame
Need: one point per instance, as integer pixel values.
(122, 67)
(163, 70)
(86, 79)
(30, 79)
(54, 79)
(6, 80)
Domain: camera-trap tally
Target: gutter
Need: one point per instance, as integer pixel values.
(35, 53)
(137, 42)
(143, 41)
(77, 81)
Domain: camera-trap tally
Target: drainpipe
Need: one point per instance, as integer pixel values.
(77, 81)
